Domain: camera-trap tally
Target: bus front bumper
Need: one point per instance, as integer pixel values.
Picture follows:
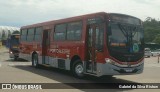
(13, 55)
(110, 69)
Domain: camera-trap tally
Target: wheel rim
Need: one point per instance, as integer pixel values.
(79, 69)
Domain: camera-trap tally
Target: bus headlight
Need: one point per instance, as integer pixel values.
(110, 61)
(107, 60)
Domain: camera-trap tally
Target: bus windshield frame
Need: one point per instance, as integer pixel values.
(125, 38)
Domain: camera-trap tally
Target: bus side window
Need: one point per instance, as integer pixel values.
(99, 38)
(23, 35)
(30, 36)
(38, 34)
(74, 30)
(60, 32)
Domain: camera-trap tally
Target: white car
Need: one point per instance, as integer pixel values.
(147, 52)
(155, 52)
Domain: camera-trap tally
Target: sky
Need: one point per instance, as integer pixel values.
(25, 12)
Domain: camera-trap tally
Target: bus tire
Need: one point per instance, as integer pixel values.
(78, 69)
(35, 61)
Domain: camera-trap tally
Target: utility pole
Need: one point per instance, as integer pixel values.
(158, 57)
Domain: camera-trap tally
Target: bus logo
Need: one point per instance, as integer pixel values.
(6, 86)
(129, 65)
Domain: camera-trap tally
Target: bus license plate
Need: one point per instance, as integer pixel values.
(128, 70)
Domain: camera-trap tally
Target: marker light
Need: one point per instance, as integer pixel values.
(107, 60)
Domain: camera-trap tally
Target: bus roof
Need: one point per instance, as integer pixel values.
(72, 19)
(63, 20)
(123, 15)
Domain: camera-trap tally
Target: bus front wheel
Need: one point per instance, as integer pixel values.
(35, 60)
(78, 69)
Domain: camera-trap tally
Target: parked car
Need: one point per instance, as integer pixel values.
(155, 52)
(147, 52)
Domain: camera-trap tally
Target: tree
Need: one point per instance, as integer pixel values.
(151, 30)
(157, 39)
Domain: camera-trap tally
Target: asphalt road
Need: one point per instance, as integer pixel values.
(21, 72)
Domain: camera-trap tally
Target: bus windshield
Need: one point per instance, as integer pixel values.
(126, 37)
(14, 40)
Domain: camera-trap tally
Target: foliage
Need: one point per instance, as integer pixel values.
(151, 30)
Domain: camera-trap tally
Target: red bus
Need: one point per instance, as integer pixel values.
(96, 44)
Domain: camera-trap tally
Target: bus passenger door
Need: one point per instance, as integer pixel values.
(91, 63)
(45, 46)
(94, 46)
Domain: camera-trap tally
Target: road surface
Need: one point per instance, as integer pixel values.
(21, 72)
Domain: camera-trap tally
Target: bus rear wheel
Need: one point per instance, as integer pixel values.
(35, 60)
(78, 69)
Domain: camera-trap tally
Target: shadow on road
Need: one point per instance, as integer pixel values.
(66, 78)
(18, 60)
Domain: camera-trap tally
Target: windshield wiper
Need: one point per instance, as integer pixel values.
(124, 31)
(129, 32)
